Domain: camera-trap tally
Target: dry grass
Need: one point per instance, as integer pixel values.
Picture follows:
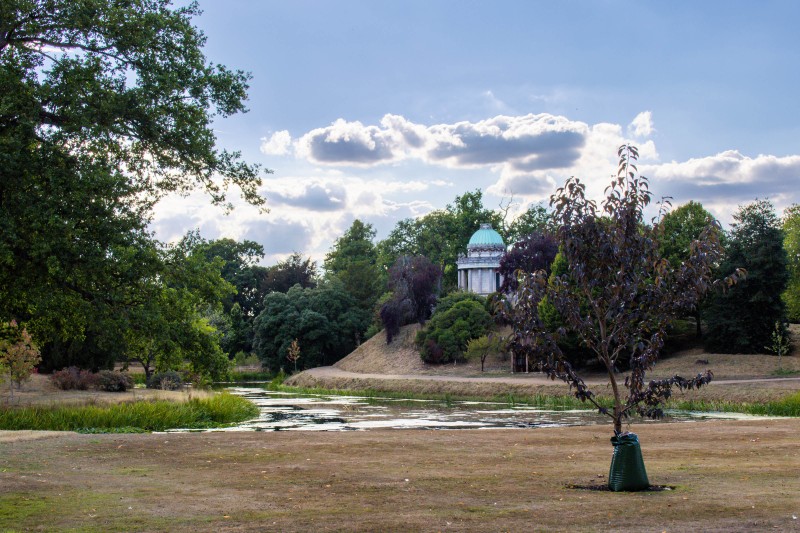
(40, 391)
(728, 476)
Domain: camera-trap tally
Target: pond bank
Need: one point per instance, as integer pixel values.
(494, 387)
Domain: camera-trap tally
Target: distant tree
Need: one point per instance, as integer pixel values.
(353, 260)
(440, 235)
(414, 282)
(537, 219)
(481, 347)
(239, 260)
(791, 243)
(326, 321)
(629, 292)
(170, 329)
(678, 230)
(294, 270)
(742, 320)
(531, 253)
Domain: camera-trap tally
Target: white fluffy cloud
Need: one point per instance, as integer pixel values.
(723, 181)
(641, 125)
(279, 143)
(527, 142)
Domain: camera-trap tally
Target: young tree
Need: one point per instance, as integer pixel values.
(533, 252)
(18, 355)
(293, 353)
(791, 243)
(481, 347)
(743, 319)
(629, 292)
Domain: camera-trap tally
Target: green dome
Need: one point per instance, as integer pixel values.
(486, 237)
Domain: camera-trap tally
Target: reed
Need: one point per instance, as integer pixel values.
(218, 410)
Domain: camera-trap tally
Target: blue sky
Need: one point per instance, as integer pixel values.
(386, 110)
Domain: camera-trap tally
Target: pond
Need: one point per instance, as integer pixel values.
(280, 411)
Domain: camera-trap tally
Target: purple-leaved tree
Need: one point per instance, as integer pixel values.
(619, 295)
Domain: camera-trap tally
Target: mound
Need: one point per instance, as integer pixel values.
(376, 357)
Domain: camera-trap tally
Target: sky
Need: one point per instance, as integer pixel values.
(387, 110)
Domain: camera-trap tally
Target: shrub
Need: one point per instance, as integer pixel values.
(73, 378)
(113, 381)
(450, 330)
(169, 380)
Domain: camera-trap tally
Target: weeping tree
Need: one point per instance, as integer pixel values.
(618, 295)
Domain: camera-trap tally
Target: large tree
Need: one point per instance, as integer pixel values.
(678, 230)
(743, 319)
(619, 295)
(326, 321)
(791, 243)
(353, 260)
(105, 108)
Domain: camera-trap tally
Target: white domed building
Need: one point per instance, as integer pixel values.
(478, 270)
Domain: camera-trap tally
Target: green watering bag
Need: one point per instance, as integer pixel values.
(627, 466)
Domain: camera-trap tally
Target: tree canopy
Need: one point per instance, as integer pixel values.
(743, 319)
(326, 321)
(106, 107)
(791, 243)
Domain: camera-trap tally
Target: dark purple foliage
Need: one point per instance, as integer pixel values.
(415, 284)
(619, 295)
(533, 252)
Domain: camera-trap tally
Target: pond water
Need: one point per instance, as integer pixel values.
(280, 411)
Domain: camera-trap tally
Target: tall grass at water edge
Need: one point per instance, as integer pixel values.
(218, 410)
(788, 406)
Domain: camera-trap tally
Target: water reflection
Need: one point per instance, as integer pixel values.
(280, 411)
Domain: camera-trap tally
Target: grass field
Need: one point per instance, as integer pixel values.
(727, 476)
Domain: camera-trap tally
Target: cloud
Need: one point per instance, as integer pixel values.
(728, 178)
(348, 143)
(313, 197)
(642, 125)
(279, 237)
(541, 141)
(279, 143)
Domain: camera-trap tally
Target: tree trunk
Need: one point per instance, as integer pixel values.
(699, 330)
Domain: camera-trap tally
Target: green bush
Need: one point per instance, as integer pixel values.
(448, 332)
(113, 381)
(169, 380)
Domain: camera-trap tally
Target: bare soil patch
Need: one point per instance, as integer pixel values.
(728, 476)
